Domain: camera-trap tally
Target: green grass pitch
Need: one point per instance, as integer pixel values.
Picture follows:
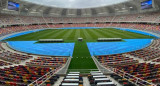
(73, 34)
(81, 56)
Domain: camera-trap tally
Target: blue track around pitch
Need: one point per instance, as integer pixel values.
(51, 49)
(108, 48)
(66, 49)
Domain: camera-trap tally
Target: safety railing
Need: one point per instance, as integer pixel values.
(131, 78)
(45, 77)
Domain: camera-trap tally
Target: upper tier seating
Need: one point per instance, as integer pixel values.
(13, 57)
(115, 60)
(155, 43)
(47, 62)
(157, 60)
(13, 29)
(1, 48)
(6, 19)
(146, 27)
(146, 53)
(3, 63)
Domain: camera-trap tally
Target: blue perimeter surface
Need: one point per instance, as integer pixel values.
(108, 48)
(22, 33)
(51, 49)
(66, 49)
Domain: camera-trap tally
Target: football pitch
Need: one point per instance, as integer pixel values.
(81, 56)
(73, 34)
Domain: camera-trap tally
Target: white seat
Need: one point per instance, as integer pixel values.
(96, 74)
(101, 79)
(100, 76)
(76, 77)
(71, 79)
(104, 83)
(70, 84)
(73, 74)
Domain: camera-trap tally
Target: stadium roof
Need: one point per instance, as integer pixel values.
(76, 3)
(115, 7)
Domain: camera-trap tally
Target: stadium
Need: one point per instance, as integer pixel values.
(79, 43)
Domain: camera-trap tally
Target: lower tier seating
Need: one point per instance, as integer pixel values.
(72, 79)
(146, 71)
(51, 81)
(21, 75)
(122, 80)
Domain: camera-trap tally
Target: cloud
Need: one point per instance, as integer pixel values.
(76, 3)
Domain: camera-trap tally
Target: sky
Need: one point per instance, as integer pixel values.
(76, 3)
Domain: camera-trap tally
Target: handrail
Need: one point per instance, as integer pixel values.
(100, 66)
(129, 77)
(64, 67)
(45, 77)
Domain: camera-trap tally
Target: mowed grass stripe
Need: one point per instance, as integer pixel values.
(113, 35)
(58, 34)
(45, 36)
(67, 34)
(106, 34)
(98, 34)
(36, 33)
(61, 34)
(119, 33)
(77, 34)
(85, 34)
(131, 34)
(123, 33)
(92, 34)
(72, 35)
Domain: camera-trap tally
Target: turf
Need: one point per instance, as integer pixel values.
(81, 56)
(73, 34)
(81, 49)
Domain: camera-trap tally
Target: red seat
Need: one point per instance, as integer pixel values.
(48, 85)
